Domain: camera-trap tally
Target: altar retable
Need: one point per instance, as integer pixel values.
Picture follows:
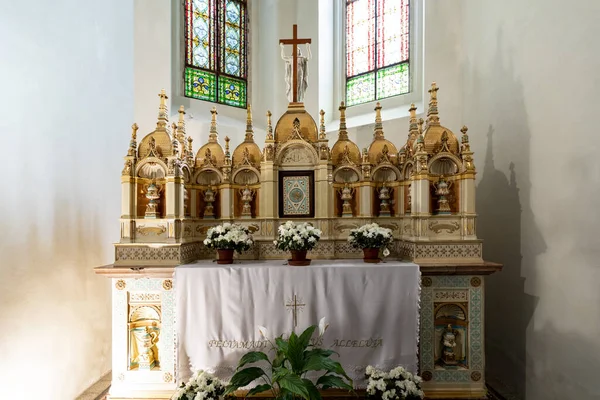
(424, 192)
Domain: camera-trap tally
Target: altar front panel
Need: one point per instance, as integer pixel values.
(373, 312)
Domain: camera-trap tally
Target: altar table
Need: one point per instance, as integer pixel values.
(372, 311)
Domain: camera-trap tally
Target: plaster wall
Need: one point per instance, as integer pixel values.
(529, 95)
(67, 82)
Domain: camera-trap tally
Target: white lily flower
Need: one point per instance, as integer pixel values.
(264, 332)
(323, 325)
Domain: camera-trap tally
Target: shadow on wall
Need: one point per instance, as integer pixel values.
(506, 222)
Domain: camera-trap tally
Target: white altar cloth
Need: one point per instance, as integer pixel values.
(372, 311)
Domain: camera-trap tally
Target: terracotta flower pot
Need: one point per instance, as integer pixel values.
(225, 256)
(298, 258)
(371, 255)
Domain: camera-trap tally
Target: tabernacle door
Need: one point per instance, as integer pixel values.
(296, 194)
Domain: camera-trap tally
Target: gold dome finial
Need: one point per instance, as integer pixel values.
(378, 130)
(322, 134)
(163, 116)
(269, 127)
(343, 134)
(249, 130)
(174, 130)
(227, 144)
(413, 110)
(421, 122)
(212, 137)
(432, 112)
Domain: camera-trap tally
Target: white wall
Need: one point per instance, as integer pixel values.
(530, 95)
(67, 102)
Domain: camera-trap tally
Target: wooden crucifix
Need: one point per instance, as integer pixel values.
(295, 41)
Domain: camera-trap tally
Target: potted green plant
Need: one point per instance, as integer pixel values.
(285, 375)
(371, 238)
(297, 239)
(227, 238)
(397, 384)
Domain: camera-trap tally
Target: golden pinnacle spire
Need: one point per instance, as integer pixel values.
(134, 129)
(227, 146)
(378, 130)
(343, 135)
(269, 126)
(174, 132)
(322, 134)
(163, 116)
(413, 118)
(181, 122)
(190, 140)
(249, 131)
(432, 113)
(212, 137)
(133, 143)
(421, 122)
(465, 139)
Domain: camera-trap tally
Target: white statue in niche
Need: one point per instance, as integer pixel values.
(246, 194)
(346, 196)
(209, 199)
(302, 73)
(384, 198)
(448, 345)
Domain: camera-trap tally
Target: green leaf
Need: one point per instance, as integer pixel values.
(295, 353)
(252, 357)
(279, 373)
(321, 352)
(332, 381)
(317, 362)
(279, 359)
(243, 378)
(313, 392)
(282, 344)
(295, 385)
(306, 335)
(259, 389)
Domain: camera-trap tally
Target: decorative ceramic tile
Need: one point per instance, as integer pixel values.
(296, 195)
(456, 289)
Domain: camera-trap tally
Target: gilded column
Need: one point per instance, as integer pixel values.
(268, 190)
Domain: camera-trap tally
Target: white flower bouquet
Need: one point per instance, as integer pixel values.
(229, 237)
(201, 386)
(297, 237)
(398, 384)
(371, 236)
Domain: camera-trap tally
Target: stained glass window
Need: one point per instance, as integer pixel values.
(377, 50)
(215, 51)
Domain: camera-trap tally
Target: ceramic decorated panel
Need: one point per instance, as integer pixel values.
(296, 194)
(451, 345)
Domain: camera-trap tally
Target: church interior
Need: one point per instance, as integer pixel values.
(148, 123)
